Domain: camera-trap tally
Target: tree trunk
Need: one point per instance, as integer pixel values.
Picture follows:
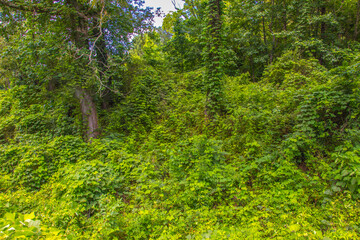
(273, 43)
(322, 32)
(7, 84)
(323, 24)
(285, 17)
(357, 20)
(89, 113)
(102, 62)
(80, 36)
(264, 30)
(52, 85)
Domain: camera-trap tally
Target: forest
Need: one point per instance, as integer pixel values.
(236, 119)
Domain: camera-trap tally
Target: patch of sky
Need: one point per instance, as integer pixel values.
(166, 7)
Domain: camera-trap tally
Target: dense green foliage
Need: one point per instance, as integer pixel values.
(235, 120)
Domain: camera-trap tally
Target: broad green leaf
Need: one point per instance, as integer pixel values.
(10, 216)
(29, 216)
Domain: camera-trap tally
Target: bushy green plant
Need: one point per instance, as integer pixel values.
(18, 226)
(90, 180)
(346, 170)
(293, 71)
(31, 165)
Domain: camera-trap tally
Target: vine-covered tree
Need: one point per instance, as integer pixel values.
(213, 58)
(92, 30)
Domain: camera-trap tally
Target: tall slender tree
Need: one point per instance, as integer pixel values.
(212, 58)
